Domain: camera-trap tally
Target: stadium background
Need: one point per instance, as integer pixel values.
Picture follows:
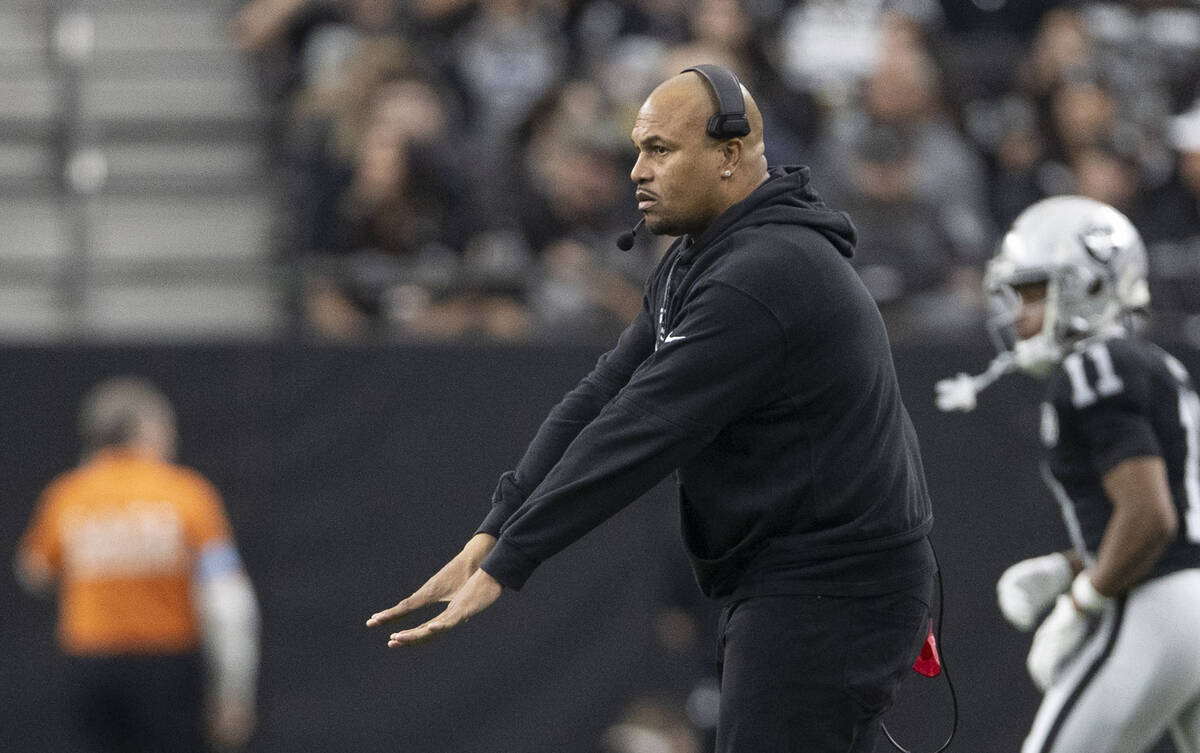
(188, 195)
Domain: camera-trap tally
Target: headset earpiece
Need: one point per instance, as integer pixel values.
(730, 122)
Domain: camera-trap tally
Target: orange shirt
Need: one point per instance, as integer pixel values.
(122, 533)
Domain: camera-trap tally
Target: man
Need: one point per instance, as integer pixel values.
(147, 572)
(1117, 656)
(759, 371)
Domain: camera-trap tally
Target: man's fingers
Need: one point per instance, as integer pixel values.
(477, 594)
(389, 614)
(412, 603)
(420, 633)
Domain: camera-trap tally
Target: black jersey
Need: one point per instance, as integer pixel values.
(1111, 400)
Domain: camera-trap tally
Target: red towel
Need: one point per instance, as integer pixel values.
(929, 663)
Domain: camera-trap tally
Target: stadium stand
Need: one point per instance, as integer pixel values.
(132, 140)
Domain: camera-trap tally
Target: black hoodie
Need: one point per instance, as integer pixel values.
(760, 371)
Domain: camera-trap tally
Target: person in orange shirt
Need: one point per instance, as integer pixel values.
(150, 586)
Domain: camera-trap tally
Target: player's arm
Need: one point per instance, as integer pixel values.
(1109, 414)
(229, 626)
(33, 573)
(1144, 522)
(1126, 453)
(36, 561)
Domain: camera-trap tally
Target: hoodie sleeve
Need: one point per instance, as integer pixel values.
(726, 354)
(567, 419)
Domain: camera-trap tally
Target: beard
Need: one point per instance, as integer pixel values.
(665, 226)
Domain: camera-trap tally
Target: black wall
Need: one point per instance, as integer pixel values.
(351, 474)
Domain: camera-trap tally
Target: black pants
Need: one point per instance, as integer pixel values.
(140, 704)
(813, 674)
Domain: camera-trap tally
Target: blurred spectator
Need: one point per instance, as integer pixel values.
(1060, 45)
(915, 188)
(1103, 173)
(651, 725)
(147, 574)
(374, 181)
(728, 32)
(507, 56)
(532, 99)
(1172, 229)
(599, 30)
(573, 200)
(1083, 113)
(299, 44)
(1018, 146)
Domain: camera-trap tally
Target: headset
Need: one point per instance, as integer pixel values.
(730, 121)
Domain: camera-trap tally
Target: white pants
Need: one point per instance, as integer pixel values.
(1136, 677)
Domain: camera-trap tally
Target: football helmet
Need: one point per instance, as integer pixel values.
(1093, 262)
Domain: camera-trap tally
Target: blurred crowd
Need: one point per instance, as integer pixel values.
(450, 168)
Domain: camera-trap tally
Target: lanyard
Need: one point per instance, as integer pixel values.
(664, 307)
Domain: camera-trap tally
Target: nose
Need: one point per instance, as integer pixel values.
(640, 172)
(1029, 320)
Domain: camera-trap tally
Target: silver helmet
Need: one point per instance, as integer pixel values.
(1093, 262)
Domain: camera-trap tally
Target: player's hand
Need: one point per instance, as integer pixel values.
(479, 592)
(956, 393)
(1057, 640)
(1028, 588)
(445, 582)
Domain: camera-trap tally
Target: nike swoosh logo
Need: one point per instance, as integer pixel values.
(673, 338)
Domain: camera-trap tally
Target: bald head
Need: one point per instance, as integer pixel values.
(685, 177)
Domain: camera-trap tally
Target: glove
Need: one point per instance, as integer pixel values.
(1028, 588)
(956, 393)
(1062, 633)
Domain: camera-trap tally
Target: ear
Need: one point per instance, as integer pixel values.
(731, 154)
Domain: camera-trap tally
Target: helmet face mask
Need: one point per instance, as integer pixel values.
(1093, 264)
(1036, 354)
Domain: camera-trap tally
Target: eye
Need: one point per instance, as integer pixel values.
(658, 150)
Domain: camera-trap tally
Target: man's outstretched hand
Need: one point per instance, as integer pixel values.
(479, 592)
(460, 582)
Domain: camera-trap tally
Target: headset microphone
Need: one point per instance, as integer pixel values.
(625, 239)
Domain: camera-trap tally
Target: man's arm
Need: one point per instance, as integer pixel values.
(728, 353)
(575, 411)
(579, 407)
(444, 583)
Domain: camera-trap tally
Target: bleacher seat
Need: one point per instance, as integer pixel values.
(212, 228)
(169, 237)
(188, 310)
(31, 312)
(33, 232)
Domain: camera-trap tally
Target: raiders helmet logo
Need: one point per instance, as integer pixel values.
(1099, 242)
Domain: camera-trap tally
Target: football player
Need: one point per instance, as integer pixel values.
(1117, 656)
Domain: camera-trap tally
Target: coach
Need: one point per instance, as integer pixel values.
(758, 371)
